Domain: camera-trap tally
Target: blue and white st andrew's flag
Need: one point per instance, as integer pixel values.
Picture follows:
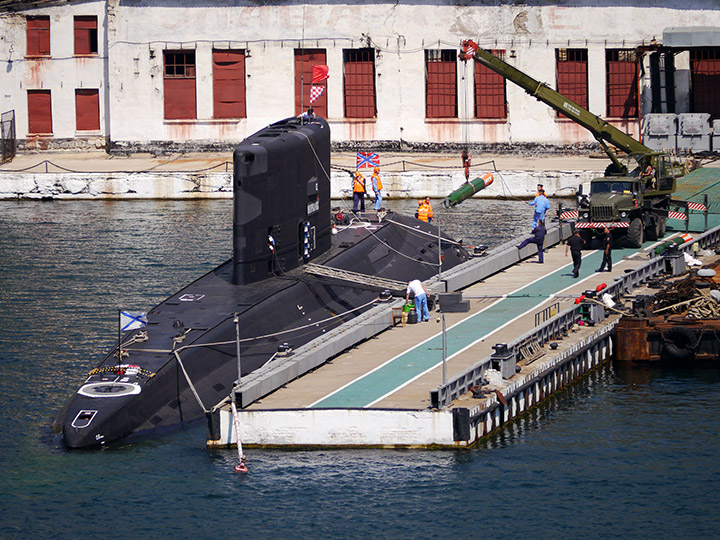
(130, 320)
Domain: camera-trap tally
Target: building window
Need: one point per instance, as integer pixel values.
(38, 36)
(705, 80)
(359, 83)
(229, 84)
(87, 109)
(572, 80)
(86, 34)
(490, 102)
(305, 59)
(39, 111)
(180, 100)
(622, 83)
(440, 83)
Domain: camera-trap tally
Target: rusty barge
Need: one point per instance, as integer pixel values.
(678, 323)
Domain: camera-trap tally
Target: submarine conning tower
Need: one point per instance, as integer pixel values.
(281, 199)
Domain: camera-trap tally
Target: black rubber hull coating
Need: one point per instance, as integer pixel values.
(274, 301)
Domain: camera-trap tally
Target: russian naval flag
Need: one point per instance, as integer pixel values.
(131, 320)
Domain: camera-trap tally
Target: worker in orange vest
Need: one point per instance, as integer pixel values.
(424, 212)
(358, 192)
(376, 187)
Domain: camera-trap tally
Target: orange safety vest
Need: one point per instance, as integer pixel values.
(359, 183)
(425, 212)
(378, 183)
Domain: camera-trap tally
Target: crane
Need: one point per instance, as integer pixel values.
(633, 198)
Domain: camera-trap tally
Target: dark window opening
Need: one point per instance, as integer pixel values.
(39, 111)
(441, 83)
(305, 59)
(621, 70)
(705, 80)
(490, 100)
(229, 84)
(179, 85)
(359, 83)
(87, 109)
(572, 75)
(86, 34)
(38, 36)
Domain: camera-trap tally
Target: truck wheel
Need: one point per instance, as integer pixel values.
(635, 233)
(653, 231)
(662, 224)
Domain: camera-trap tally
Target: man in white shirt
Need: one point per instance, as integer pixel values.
(420, 292)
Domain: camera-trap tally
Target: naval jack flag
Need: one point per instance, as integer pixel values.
(132, 320)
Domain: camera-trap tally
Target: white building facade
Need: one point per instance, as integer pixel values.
(146, 73)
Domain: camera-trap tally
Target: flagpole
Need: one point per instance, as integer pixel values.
(119, 336)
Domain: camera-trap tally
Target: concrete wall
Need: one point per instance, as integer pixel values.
(340, 427)
(133, 36)
(211, 185)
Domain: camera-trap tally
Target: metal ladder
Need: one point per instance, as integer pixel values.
(353, 277)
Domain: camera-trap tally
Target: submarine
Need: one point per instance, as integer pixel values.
(184, 359)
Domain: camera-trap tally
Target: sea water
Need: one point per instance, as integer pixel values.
(626, 453)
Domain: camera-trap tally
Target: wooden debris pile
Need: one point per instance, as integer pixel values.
(695, 297)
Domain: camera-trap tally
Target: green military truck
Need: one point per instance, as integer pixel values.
(633, 198)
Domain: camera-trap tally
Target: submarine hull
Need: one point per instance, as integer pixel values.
(174, 370)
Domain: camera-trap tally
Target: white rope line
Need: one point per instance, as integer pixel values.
(192, 387)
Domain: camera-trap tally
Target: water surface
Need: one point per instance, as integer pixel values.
(625, 454)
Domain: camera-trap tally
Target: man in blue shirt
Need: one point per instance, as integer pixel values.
(541, 205)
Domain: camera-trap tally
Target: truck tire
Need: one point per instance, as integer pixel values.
(635, 233)
(679, 344)
(653, 231)
(662, 221)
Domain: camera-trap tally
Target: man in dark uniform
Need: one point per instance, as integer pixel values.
(538, 238)
(607, 252)
(575, 244)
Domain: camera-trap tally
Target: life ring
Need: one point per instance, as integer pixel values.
(679, 344)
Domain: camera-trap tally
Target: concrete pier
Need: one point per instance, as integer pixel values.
(518, 344)
(99, 176)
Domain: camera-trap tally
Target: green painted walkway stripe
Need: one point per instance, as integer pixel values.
(399, 370)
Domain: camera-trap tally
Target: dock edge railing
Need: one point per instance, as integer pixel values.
(464, 381)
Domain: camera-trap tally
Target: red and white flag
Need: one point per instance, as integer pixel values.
(316, 92)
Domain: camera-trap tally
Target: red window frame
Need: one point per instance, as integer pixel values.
(705, 80)
(305, 59)
(440, 83)
(38, 35)
(572, 75)
(621, 71)
(86, 34)
(359, 83)
(490, 91)
(39, 112)
(87, 109)
(179, 85)
(229, 83)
